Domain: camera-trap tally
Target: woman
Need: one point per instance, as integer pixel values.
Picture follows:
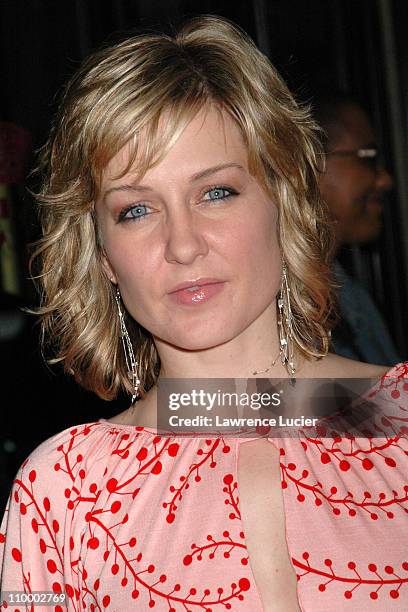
(184, 238)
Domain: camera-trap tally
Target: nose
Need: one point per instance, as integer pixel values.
(384, 180)
(184, 238)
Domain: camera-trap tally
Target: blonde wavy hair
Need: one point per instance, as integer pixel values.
(122, 90)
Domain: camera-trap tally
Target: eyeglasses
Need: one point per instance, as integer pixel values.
(368, 155)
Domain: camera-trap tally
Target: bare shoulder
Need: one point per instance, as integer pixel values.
(334, 366)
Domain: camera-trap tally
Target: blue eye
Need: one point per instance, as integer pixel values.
(219, 193)
(134, 213)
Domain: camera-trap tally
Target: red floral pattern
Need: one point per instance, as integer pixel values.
(121, 518)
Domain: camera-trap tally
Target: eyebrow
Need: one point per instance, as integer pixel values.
(193, 178)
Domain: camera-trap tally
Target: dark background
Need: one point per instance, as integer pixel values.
(354, 44)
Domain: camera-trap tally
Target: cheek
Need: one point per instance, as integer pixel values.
(252, 242)
(132, 265)
(134, 276)
(263, 232)
(355, 187)
(364, 185)
(338, 188)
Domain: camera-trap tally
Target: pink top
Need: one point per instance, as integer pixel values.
(125, 519)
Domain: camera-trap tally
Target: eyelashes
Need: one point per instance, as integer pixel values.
(132, 213)
(219, 190)
(138, 212)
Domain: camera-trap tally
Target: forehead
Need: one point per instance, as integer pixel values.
(210, 138)
(354, 128)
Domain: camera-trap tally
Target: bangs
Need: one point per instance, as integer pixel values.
(149, 122)
(148, 143)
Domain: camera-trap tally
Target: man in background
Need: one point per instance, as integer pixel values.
(354, 185)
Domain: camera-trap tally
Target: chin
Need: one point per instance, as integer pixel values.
(367, 233)
(198, 339)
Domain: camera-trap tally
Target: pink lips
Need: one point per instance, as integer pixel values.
(196, 292)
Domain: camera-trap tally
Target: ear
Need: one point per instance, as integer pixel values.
(108, 268)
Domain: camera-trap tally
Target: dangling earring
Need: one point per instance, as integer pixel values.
(285, 319)
(131, 363)
(285, 325)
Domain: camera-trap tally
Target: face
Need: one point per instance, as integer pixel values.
(354, 189)
(197, 218)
